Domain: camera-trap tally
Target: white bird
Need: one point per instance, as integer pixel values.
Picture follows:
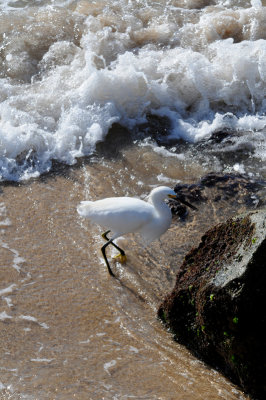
(123, 215)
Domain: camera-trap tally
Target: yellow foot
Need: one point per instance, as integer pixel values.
(104, 235)
(120, 258)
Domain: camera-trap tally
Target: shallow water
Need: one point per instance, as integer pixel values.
(71, 69)
(132, 95)
(69, 330)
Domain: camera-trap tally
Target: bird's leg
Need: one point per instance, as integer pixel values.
(105, 258)
(104, 235)
(121, 256)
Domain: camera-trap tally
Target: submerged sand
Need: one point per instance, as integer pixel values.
(68, 329)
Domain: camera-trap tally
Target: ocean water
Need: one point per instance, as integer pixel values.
(68, 329)
(114, 98)
(71, 69)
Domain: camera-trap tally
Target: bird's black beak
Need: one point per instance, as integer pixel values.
(182, 200)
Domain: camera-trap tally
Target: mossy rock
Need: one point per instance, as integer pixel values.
(217, 308)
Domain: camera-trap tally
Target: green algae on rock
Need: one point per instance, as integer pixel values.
(217, 308)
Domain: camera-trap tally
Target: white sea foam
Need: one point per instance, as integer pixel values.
(4, 316)
(7, 290)
(43, 325)
(17, 260)
(34, 320)
(3, 214)
(85, 341)
(67, 79)
(133, 349)
(28, 318)
(5, 222)
(109, 365)
(8, 301)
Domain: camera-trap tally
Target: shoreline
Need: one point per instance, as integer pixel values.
(53, 270)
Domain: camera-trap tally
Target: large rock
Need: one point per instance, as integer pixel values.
(218, 306)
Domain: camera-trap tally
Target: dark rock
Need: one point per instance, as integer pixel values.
(214, 187)
(117, 139)
(212, 179)
(158, 128)
(219, 136)
(178, 209)
(217, 308)
(192, 193)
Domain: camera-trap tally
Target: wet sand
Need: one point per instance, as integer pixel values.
(68, 329)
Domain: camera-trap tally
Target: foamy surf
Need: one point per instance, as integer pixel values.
(72, 69)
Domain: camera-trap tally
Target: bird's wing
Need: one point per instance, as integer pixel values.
(120, 214)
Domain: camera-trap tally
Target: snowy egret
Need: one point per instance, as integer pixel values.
(123, 215)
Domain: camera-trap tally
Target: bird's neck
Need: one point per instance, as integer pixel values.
(161, 208)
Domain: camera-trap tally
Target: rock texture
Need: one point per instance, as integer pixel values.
(217, 187)
(217, 308)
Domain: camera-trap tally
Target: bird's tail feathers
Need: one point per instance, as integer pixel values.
(82, 208)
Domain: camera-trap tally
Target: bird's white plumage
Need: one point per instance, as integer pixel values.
(124, 215)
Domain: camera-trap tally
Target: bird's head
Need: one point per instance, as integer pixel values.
(163, 192)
